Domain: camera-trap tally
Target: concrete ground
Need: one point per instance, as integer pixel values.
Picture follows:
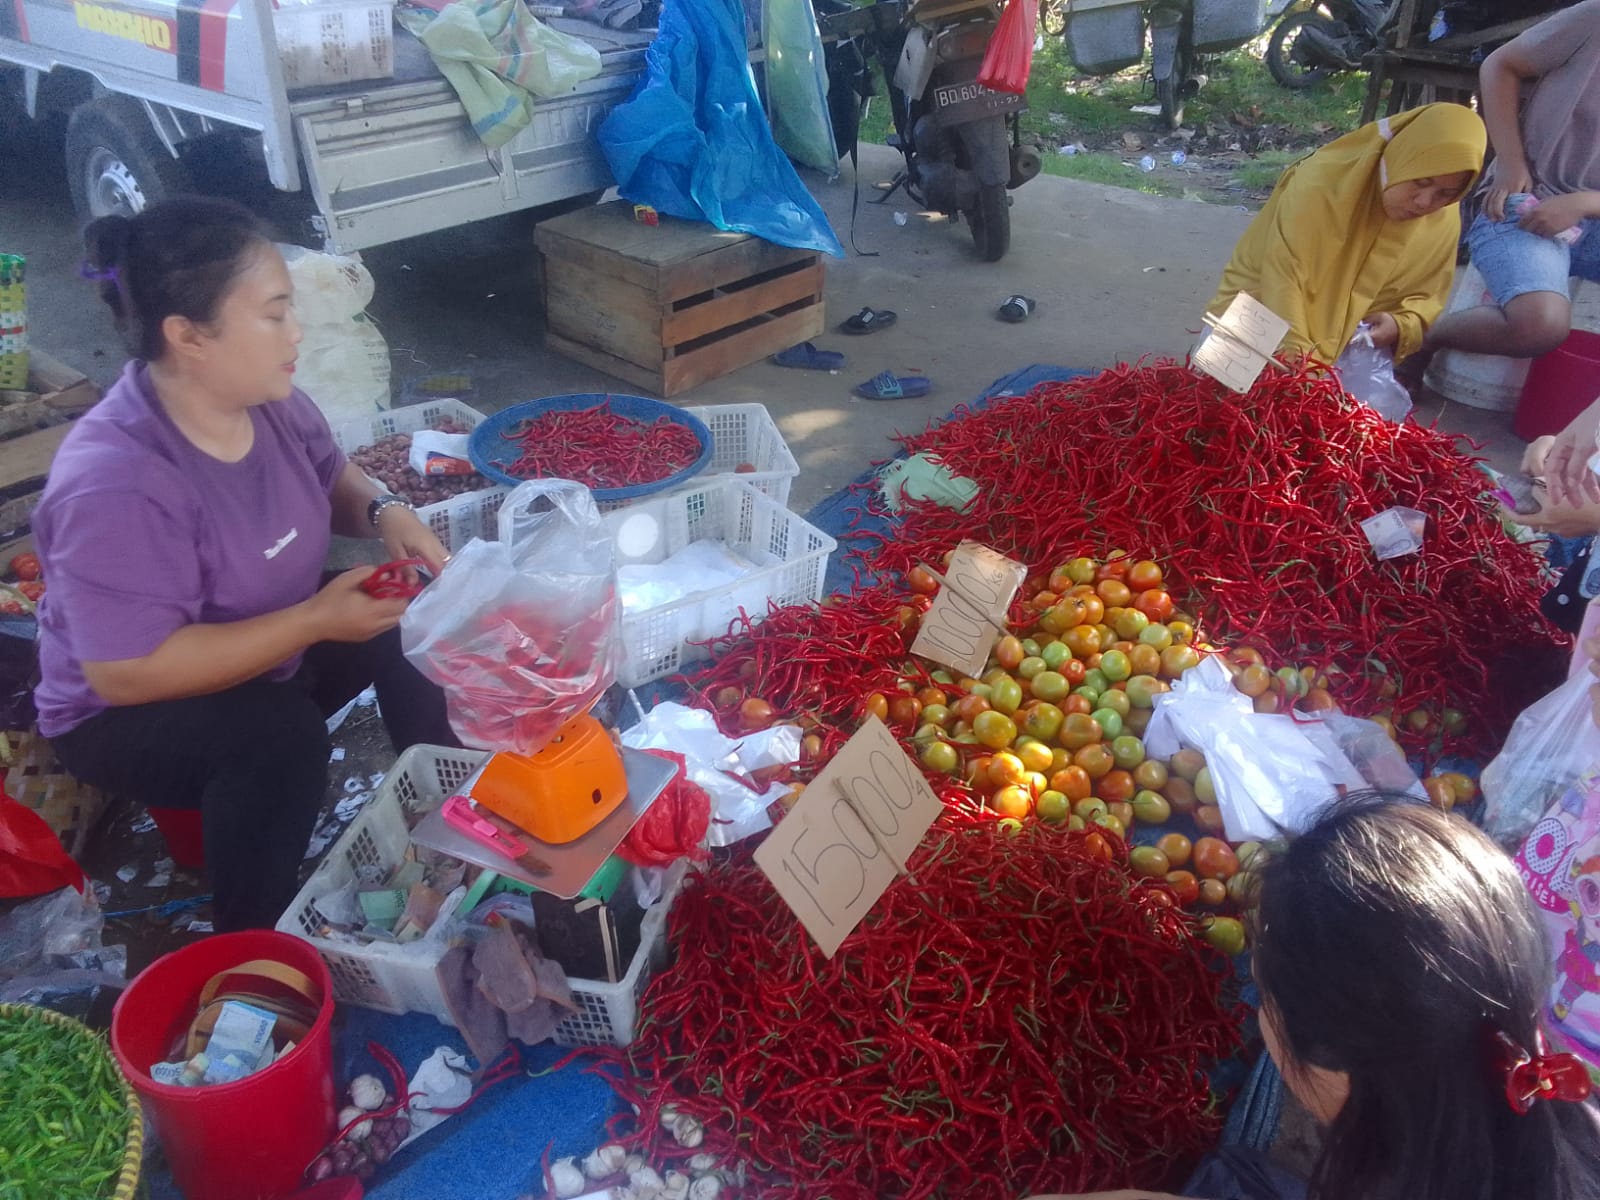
(1118, 275)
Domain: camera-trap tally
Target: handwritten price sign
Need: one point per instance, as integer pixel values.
(1241, 343)
(849, 836)
(970, 610)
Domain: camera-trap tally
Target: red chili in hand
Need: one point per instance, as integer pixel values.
(395, 580)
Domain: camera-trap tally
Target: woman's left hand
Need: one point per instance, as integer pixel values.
(1384, 330)
(405, 536)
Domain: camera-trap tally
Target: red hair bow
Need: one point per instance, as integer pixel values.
(1541, 1075)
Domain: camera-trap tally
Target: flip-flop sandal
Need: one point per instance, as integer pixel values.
(868, 320)
(889, 386)
(807, 357)
(1017, 309)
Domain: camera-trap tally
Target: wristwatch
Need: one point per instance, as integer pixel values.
(379, 503)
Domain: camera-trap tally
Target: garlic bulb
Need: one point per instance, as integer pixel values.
(707, 1187)
(702, 1163)
(688, 1132)
(352, 1113)
(567, 1180)
(605, 1162)
(677, 1185)
(367, 1092)
(668, 1116)
(632, 1163)
(646, 1178)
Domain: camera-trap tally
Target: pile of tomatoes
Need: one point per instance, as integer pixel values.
(23, 587)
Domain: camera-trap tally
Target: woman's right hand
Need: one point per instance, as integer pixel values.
(342, 612)
(1510, 179)
(1566, 473)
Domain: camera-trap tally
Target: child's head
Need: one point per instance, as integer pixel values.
(1392, 942)
(196, 282)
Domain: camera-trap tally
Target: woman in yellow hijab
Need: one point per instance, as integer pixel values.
(1364, 229)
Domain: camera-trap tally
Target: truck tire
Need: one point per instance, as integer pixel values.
(991, 222)
(115, 163)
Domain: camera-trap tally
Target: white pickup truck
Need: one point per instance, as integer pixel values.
(168, 95)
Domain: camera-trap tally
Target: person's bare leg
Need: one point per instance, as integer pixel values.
(1530, 325)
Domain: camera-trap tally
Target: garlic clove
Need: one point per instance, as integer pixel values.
(688, 1132)
(701, 1163)
(707, 1187)
(567, 1180)
(367, 1092)
(633, 1163)
(351, 1113)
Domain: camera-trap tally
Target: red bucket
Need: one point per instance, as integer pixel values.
(181, 827)
(1560, 385)
(250, 1140)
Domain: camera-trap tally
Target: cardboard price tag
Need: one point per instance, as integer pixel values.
(1242, 343)
(849, 836)
(969, 613)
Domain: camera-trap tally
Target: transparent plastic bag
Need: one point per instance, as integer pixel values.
(1367, 373)
(1550, 747)
(522, 633)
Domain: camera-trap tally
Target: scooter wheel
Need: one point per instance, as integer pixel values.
(991, 222)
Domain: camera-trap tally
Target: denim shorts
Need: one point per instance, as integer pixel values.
(1514, 262)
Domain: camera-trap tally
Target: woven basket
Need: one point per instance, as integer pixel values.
(133, 1152)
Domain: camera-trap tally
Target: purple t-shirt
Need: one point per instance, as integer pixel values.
(141, 533)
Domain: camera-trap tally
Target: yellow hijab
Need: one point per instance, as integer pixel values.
(1323, 255)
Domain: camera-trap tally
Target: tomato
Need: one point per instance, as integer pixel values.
(1089, 808)
(1108, 636)
(1158, 637)
(1082, 640)
(904, 711)
(1182, 631)
(1074, 671)
(1226, 934)
(1213, 893)
(969, 707)
(1006, 769)
(1159, 897)
(1254, 680)
(1143, 576)
(940, 756)
(1136, 721)
(921, 581)
(1095, 759)
(1319, 700)
(1245, 656)
(1073, 782)
(25, 567)
(1204, 791)
(1128, 751)
(1175, 660)
(1268, 702)
(1419, 720)
(1155, 604)
(1208, 818)
(1095, 845)
(1115, 665)
(1043, 721)
(1110, 823)
(1035, 782)
(1049, 685)
(1078, 704)
(1151, 808)
(877, 705)
(1080, 570)
(1453, 721)
(1143, 689)
(1184, 886)
(1147, 660)
(1180, 794)
(978, 773)
(1030, 666)
(1176, 847)
(1110, 720)
(1215, 859)
(1122, 810)
(1440, 794)
(1036, 756)
(1115, 567)
(1130, 623)
(1115, 787)
(1052, 806)
(1464, 786)
(756, 714)
(1151, 774)
(810, 748)
(1386, 724)
(1148, 863)
(1014, 802)
(1078, 731)
(1053, 655)
(994, 730)
(1244, 889)
(938, 714)
(12, 608)
(1114, 592)
(1006, 695)
(1094, 609)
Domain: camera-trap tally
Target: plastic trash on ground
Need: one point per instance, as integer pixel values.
(51, 953)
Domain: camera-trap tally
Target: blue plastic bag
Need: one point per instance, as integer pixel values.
(693, 142)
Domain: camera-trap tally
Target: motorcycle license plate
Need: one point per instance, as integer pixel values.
(958, 103)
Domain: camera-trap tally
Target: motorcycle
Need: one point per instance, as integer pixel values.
(1316, 40)
(961, 141)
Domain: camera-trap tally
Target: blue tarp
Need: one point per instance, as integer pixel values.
(693, 141)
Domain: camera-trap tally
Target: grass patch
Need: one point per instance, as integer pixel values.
(1096, 167)
(1261, 173)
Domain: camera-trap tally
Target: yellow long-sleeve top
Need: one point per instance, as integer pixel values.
(1324, 256)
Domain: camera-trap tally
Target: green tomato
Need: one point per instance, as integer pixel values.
(1030, 648)
(1089, 808)
(1056, 655)
(1091, 694)
(1050, 685)
(1158, 636)
(1204, 790)
(1151, 808)
(1096, 677)
(940, 756)
(1128, 751)
(994, 729)
(1113, 698)
(1142, 691)
(1006, 695)
(1110, 720)
(1052, 806)
(1043, 721)
(1030, 667)
(1114, 665)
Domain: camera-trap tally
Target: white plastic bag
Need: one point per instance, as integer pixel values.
(1367, 373)
(1551, 745)
(343, 359)
(522, 633)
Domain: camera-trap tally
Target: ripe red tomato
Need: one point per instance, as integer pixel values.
(1215, 859)
(33, 589)
(1184, 886)
(921, 580)
(1143, 576)
(25, 567)
(1155, 604)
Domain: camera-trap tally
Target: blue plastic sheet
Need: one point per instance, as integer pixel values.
(693, 142)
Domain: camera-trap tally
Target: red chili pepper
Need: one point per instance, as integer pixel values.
(395, 580)
(599, 448)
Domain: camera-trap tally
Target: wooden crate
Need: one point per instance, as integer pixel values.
(668, 307)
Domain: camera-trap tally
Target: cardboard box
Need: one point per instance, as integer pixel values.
(33, 425)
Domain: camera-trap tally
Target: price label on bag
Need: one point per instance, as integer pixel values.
(850, 834)
(1240, 343)
(970, 610)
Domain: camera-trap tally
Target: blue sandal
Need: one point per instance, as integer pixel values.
(807, 357)
(889, 386)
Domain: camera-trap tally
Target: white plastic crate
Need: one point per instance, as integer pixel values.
(746, 435)
(401, 979)
(325, 42)
(459, 519)
(791, 557)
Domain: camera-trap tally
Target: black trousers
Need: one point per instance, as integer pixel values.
(254, 760)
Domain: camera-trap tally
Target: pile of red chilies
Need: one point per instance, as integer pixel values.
(1253, 505)
(1016, 1016)
(599, 448)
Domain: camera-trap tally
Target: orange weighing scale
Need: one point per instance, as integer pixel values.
(569, 805)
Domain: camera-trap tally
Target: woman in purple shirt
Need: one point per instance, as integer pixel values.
(189, 649)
